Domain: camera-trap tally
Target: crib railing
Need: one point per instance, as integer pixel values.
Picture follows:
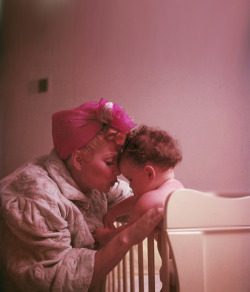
(139, 269)
(204, 233)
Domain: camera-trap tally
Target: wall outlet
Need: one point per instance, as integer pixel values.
(43, 85)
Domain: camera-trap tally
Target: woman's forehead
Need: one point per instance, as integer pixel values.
(108, 148)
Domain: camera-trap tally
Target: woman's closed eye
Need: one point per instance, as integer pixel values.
(110, 163)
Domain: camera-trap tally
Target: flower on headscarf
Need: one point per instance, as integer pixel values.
(120, 138)
(112, 114)
(115, 135)
(105, 111)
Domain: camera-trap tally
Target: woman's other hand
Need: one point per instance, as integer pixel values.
(102, 235)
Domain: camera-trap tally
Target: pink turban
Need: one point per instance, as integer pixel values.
(72, 129)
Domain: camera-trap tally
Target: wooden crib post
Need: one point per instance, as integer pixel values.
(124, 270)
(151, 263)
(119, 277)
(131, 269)
(140, 267)
(113, 279)
(108, 283)
(165, 260)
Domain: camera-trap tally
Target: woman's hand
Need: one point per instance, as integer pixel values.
(102, 235)
(145, 225)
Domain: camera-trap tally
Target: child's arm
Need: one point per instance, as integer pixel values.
(135, 207)
(128, 206)
(155, 198)
(125, 207)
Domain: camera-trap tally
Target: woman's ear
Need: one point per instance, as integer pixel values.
(150, 171)
(77, 159)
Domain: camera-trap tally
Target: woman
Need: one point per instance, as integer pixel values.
(51, 207)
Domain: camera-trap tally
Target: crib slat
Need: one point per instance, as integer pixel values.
(165, 261)
(119, 277)
(113, 280)
(108, 285)
(151, 264)
(125, 276)
(132, 270)
(140, 267)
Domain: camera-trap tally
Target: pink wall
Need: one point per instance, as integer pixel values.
(181, 65)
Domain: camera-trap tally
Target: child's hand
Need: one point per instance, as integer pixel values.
(102, 235)
(109, 220)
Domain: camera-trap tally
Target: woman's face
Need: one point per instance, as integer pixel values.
(101, 171)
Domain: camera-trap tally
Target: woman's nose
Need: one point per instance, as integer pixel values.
(117, 170)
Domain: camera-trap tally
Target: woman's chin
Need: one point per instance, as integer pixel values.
(106, 189)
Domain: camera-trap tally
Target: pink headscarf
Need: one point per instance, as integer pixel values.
(72, 129)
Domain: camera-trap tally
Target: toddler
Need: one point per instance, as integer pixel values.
(147, 162)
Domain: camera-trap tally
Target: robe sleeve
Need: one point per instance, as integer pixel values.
(118, 193)
(37, 247)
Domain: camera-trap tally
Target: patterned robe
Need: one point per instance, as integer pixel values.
(46, 226)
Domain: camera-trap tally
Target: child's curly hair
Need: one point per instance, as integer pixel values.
(152, 145)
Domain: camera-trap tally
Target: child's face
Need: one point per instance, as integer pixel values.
(136, 176)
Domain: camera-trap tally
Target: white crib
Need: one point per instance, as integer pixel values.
(209, 237)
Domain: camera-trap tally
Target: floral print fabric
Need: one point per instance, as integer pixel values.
(46, 226)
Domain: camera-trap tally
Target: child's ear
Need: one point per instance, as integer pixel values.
(150, 171)
(77, 159)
